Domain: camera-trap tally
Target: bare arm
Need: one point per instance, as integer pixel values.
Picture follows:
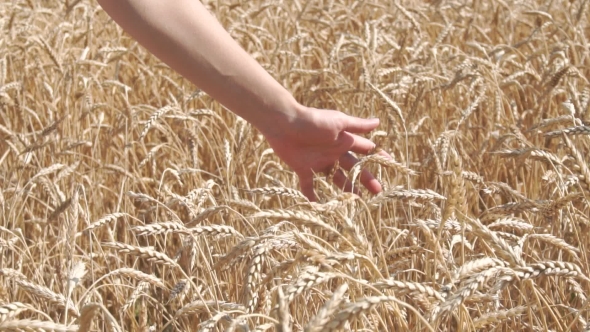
(185, 36)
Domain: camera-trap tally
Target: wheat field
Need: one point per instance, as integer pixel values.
(132, 201)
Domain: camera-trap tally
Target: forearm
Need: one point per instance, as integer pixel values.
(185, 36)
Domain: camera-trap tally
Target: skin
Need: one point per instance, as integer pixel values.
(184, 35)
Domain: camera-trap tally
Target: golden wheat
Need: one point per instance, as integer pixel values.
(132, 201)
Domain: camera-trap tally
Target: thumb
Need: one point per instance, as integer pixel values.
(359, 125)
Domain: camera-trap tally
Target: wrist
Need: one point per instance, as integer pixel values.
(281, 115)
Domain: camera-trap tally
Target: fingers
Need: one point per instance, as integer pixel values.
(347, 161)
(355, 143)
(348, 141)
(342, 182)
(359, 125)
(384, 154)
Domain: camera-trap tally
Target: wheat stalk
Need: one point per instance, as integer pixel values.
(161, 228)
(410, 287)
(306, 218)
(49, 295)
(103, 221)
(11, 310)
(147, 253)
(137, 292)
(497, 317)
(354, 310)
(35, 325)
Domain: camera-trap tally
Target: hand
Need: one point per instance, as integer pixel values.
(315, 139)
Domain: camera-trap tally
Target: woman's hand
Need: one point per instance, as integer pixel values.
(315, 140)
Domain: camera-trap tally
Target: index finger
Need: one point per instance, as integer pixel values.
(356, 143)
